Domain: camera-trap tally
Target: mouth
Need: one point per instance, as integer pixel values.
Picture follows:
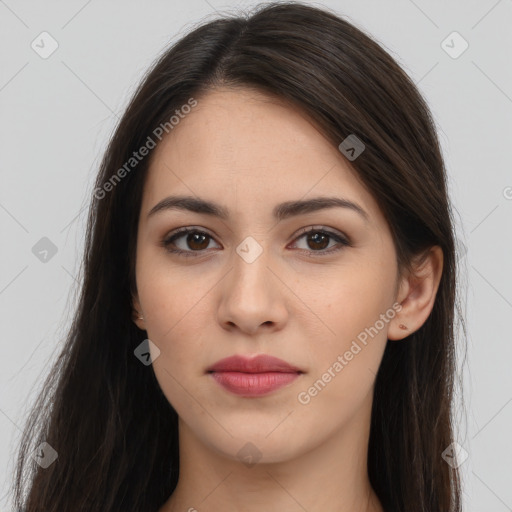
(253, 377)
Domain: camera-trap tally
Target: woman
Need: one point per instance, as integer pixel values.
(266, 317)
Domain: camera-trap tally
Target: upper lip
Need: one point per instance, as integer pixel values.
(259, 364)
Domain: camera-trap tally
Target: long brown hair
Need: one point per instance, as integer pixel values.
(103, 411)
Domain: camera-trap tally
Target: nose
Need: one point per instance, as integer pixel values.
(253, 296)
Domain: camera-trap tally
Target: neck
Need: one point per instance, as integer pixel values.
(330, 478)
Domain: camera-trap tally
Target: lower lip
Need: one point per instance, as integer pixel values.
(253, 384)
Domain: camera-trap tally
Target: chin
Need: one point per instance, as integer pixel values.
(251, 445)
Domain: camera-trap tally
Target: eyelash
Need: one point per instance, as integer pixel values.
(170, 239)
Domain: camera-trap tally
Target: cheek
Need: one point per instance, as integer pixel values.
(177, 316)
(346, 362)
(350, 300)
(176, 324)
(355, 309)
(172, 295)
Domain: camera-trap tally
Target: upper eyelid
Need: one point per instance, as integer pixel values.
(316, 227)
(185, 230)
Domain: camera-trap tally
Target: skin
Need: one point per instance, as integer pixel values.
(249, 152)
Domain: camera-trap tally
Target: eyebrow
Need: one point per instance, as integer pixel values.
(280, 212)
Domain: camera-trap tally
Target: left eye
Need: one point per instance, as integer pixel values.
(198, 241)
(318, 239)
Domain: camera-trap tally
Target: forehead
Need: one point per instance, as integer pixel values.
(251, 147)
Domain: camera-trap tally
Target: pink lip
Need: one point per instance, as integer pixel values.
(254, 376)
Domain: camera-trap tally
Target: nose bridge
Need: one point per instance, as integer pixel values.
(250, 261)
(251, 295)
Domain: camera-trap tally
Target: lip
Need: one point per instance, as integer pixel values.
(255, 376)
(259, 364)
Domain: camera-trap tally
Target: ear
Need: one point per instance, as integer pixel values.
(137, 312)
(417, 293)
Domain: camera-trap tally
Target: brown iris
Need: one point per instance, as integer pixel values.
(318, 238)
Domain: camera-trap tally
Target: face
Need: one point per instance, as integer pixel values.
(307, 287)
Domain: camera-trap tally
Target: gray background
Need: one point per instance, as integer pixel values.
(57, 114)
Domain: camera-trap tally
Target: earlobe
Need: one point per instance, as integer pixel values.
(137, 316)
(417, 294)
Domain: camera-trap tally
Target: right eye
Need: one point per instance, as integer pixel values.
(195, 239)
